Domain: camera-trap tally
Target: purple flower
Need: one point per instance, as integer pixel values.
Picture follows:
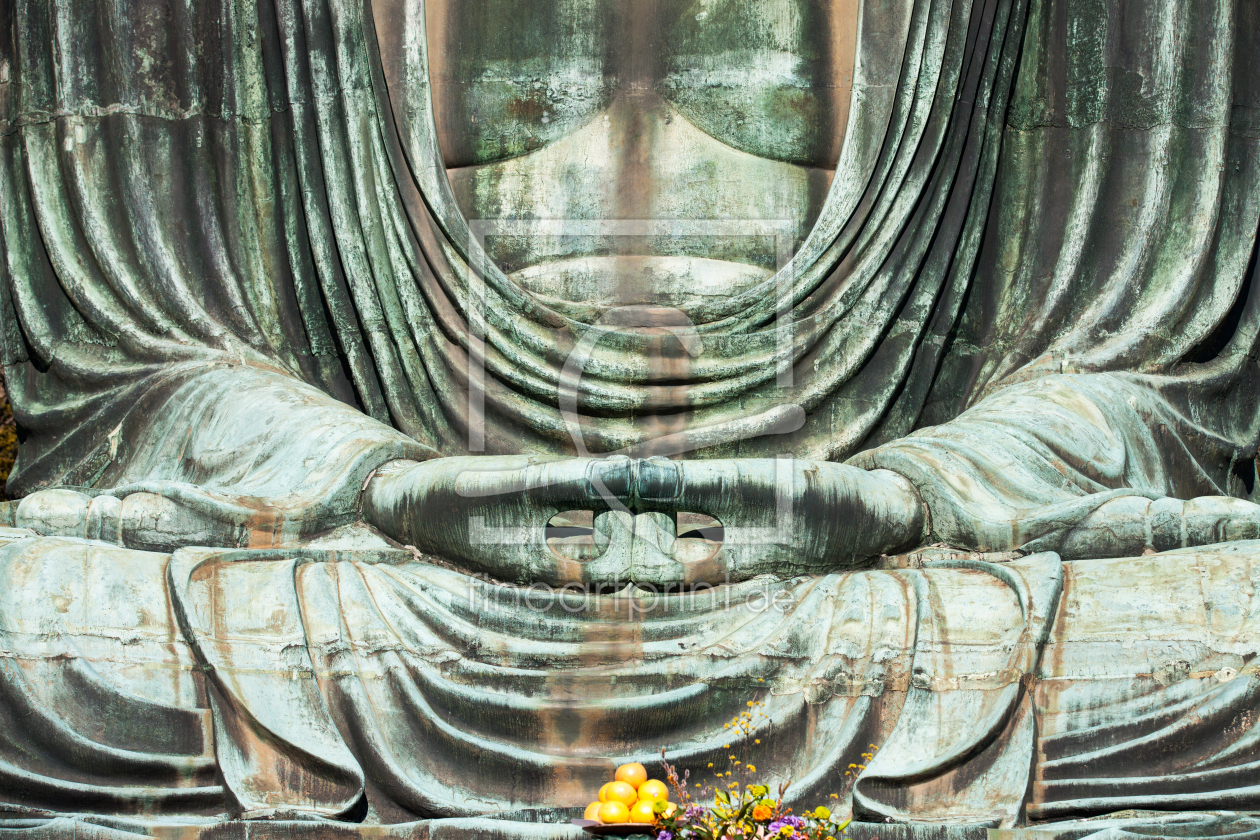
(665, 835)
(795, 822)
(774, 827)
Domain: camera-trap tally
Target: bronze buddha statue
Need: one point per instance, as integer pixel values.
(426, 405)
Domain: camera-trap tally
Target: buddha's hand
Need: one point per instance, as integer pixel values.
(784, 515)
(780, 516)
(489, 513)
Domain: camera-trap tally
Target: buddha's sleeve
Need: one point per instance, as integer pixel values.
(179, 245)
(1089, 465)
(225, 455)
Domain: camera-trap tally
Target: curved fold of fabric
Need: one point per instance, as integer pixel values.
(963, 747)
(122, 736)
(518, 740)
(235, 456)
(276, 747)
(1167, 723)
(1025, 465)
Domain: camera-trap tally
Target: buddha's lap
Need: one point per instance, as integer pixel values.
(316, 649)
(1152, 620)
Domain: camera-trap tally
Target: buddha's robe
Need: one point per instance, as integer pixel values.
(254, 684)
(205, 208)
(235, 282)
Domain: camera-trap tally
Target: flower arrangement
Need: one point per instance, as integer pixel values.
(727, 808)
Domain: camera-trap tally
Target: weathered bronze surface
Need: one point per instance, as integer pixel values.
(425, 407)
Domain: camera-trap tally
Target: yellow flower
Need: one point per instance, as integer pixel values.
(821, 813)
(751, 768)
(756, 740)
(751, 704)
(710, 763)
(761, 813)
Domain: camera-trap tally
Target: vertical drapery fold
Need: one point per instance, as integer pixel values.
(252, 184)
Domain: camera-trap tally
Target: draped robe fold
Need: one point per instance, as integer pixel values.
(317, 683)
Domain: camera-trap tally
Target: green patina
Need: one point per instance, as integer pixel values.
(297, 451)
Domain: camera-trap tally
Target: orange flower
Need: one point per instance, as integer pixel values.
(762, 813)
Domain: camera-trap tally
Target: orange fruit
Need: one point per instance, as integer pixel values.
(592, 811)
(620, 792)
(653, 790)
(613, 812)
(632, 774)
(641, 811)
(603, 792)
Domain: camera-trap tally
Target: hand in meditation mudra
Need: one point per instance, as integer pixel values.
(426, 407)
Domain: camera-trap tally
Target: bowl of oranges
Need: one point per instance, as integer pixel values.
(629, 804)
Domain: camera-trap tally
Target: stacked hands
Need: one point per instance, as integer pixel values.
(784, 516)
